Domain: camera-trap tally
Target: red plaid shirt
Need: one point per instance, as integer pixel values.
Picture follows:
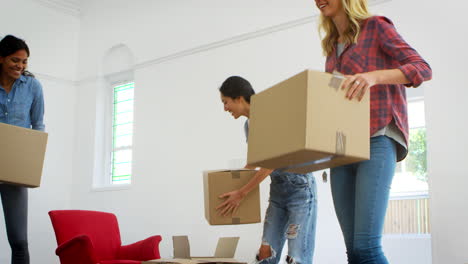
(379, 47)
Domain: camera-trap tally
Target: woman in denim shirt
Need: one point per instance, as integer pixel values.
(21, 104)
(292, 209)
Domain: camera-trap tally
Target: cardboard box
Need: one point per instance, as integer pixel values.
(225, 251)
(22, 153)
(218, 182)
(305, 124)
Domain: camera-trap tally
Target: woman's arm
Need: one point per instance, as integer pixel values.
(412, 65)
(37, 107)
(358, 84)
(234, 198)
(413, 69)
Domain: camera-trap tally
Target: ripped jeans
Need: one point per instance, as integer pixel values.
(291, 216)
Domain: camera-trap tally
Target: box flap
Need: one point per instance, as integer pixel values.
(226, 247)
(181, 247)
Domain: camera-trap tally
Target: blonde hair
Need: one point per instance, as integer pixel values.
(356, 11)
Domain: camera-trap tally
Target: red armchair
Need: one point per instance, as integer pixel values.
(90, 237)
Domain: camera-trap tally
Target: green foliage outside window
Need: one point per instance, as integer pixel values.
(416, 162)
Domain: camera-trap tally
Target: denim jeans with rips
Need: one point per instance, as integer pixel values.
(291, 216)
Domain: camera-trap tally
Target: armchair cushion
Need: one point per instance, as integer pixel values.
(147, 249)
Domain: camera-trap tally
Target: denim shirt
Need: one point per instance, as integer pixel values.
(23, 106)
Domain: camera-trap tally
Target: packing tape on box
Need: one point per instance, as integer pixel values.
(340, 148)
(336, 80)
(235, 174)
(236, 220)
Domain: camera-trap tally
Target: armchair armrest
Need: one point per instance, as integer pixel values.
(147, 249)
(77, 250)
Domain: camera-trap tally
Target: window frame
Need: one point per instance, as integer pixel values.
(113, 86)
(410, 194)
(102, 179)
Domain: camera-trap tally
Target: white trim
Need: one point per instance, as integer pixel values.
(238, 38)
(102, 141)
(70, 7)
(54, 79)
(120, 78)
(227, 41)
(113, 187)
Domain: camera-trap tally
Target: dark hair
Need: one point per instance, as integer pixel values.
(236, 86)
(11, 44)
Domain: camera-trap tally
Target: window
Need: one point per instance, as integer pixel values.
(408, 209)
(411, 173)
(122, 133)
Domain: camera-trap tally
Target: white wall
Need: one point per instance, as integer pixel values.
(182, 56)
(446, 125)
(438, 32)
(53, 40)
(180, 128)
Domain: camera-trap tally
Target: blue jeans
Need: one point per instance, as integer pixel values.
(291, 216)
(15, 210)
(360, 194)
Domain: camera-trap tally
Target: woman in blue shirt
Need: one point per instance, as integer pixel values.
(292, 210)
(21, 104)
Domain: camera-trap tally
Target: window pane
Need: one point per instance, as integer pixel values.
(408, 210)
(399, 167)
(416, 162)
(122, 169)
(124, 87)
(124, 155)
(123, 107)
(122, 166)
(123, 129)
(416, 116)
(123, 95)
(123, 118)
(122, 133)
(123, 141)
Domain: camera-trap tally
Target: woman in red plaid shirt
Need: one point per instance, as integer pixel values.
(376, 59)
